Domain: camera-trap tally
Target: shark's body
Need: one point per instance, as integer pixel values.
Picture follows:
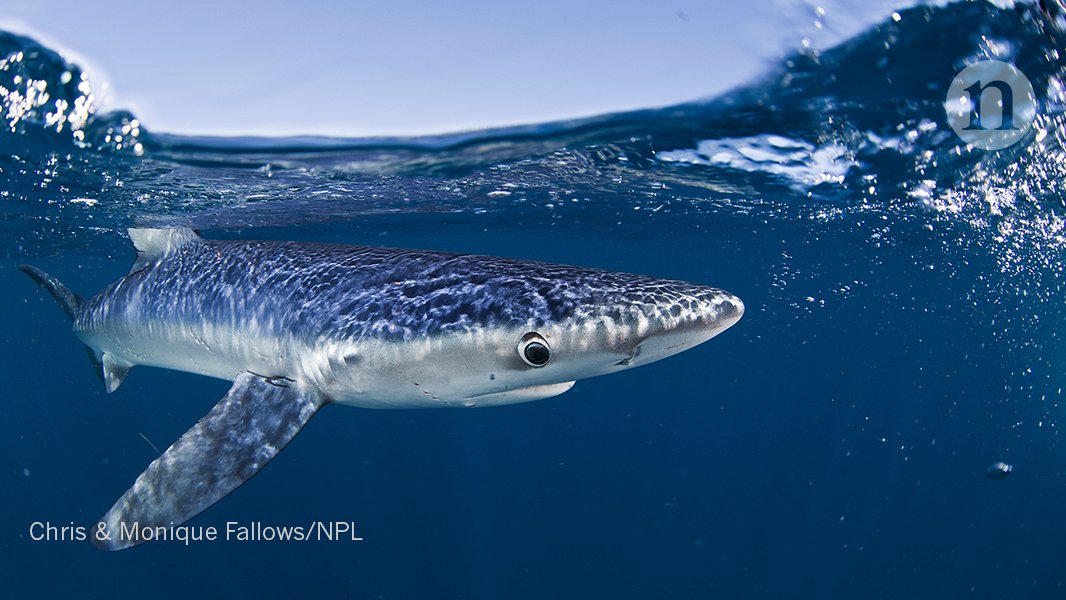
(296, 326)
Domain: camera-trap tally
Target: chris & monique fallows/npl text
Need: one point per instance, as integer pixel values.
(235, 531)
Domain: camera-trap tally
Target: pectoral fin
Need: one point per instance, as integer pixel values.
(240, 435)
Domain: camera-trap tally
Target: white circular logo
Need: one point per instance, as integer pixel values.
(991, 104)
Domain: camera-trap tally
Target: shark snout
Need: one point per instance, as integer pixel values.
(722, 311)
(715, 311)
(692, 321)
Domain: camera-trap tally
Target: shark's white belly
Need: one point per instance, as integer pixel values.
(426, 373)
(200, 348)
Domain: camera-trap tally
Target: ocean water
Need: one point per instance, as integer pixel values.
(904, 301)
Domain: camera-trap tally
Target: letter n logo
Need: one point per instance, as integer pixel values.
(1006, 95)
(991, 81)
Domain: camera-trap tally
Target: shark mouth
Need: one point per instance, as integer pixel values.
(522, 394)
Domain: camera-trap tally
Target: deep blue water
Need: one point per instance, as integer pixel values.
(904, 300)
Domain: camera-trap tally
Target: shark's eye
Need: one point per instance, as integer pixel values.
(534, 349)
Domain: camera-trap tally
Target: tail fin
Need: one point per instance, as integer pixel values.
(70, 302)
(67, 300)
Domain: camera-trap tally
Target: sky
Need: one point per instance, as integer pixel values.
(412, 67)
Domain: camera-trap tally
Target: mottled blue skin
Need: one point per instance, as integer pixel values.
(327, 291)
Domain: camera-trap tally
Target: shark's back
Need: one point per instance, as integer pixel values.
(329, 291)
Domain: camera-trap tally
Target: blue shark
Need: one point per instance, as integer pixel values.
(296, 326)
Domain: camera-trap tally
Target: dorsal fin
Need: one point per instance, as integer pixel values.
(154, 243)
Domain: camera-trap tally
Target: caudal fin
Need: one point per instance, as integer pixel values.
(70, 302)
(67, 300)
